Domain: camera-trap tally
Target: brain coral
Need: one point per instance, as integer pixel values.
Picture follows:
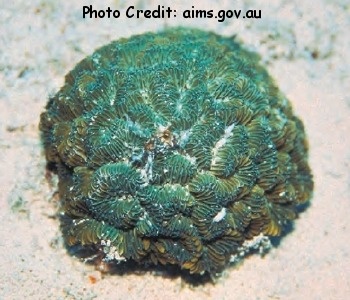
(174, 148)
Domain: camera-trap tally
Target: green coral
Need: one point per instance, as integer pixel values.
(174, 148)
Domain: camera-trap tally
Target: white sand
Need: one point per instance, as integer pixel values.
(305, 45)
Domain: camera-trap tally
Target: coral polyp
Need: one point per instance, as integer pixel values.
(174, 148)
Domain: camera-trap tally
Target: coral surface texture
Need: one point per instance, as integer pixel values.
(174, 148)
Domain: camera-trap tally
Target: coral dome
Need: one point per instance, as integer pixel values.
(174, 148)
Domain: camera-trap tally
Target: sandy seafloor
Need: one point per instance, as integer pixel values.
(305, 46)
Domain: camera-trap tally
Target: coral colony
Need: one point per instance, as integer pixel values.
(175, 148)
